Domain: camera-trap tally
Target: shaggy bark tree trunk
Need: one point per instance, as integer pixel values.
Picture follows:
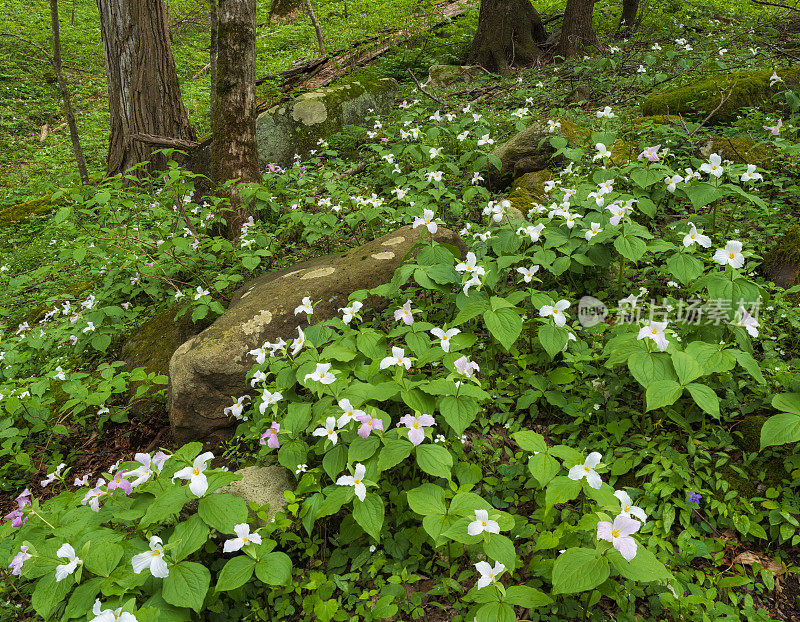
(577, 30)
(627, 19)
(234, 154)
(281, 9)
(212, 60)
(508, 33)
(143, 92)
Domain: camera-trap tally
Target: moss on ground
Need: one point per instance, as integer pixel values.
(782, 262)
(741, 150)
(25, 210)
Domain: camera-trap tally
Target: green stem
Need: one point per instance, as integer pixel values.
(620, 278)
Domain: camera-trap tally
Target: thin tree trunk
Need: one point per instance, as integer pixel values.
(62, 85)
(508, 33)
(320, 40)
(143, 92)
(627, 19)
(214, 14)
(577, 30)
(234, 154)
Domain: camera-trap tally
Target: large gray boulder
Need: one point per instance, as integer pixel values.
(211, 367)
(525, 152)
(297, 125)
(442, 76)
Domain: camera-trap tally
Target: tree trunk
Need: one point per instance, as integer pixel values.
(212, 61)
(143, 92)
(320, 39)
(62, 85)
(577, 30)
(234, 154)
(283, 9)
(508, 34)
(627, 19)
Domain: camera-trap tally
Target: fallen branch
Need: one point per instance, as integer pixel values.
(165, 141)
(423, 91)
(780, 6)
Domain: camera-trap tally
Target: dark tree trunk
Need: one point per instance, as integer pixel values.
(143, 92)
(577, 30)
(508, 34)
(627, 19)
(212, 61)
(62, 85)
(283, 9)
(234, 154)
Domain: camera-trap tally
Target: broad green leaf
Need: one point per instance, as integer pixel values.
(543, 468)
(701, 194)
(505, 325)
(335, 460)
(500, 548)
(643, 567)
(687, 368)
(369, 514)
(434, 460)
(83, 598)
(48, 593)
(649, 367)
(524, 596)
(274, 568)
(560, 490)
(684, 267)
(334, 500)
(459, 412)
(362, 448)
(495, 612)
(221, 511)
(529, 441)
(298, 418)
(578, 570)
(188, 536)
(427, 499)
(166, 504)
(787, 402)
(553, 338)
(235, 573)
(662, 393)
(393, 452)
(102, 557)
(780, 429)
(749, 364)
(705, 398)
(630, 247)
(186, 585)
(712, 357)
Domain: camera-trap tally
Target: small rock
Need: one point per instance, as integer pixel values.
(442, 76)
(262, 485)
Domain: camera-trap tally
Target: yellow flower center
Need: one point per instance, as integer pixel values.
(245, 540)
(322, 374)
(491, 575)
(731, 255)
(555, 311)
(587, 469)
(483, 523)
(655, 331)
(157, 552)
(615, 533)
(356, 481)
(445, 338)
(195, 471)
(415, 425)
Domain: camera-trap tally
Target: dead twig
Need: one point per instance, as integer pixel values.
(423, 91)
(165, 141)
(725, 97)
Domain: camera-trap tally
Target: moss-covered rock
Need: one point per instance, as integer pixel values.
(442, 76)
(781, 263)
(72, 292)
(263, 485)
(748, 89)
(207, 370)
(528, 190)
(296, 126)
(22, 211)
(741, 150)
(747, 435)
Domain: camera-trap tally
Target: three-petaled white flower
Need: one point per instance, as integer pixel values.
(198, 483)
(747, 321)
(398, 358)
(244, 538)
(730, 255)
(64, 570)
(672, 182)
(713, 166)
(322, 374)
(527, 273)
(482, 523)
(426, 220)
(557, 311)
(328, 431)
(628, 508)
(298, 342)
(404, 314)
(350, 312)
(593, 231)
(356, 480)
(269, 398)
(619, 534)
(605, 113)
(488, 573)
(602, 152)
(153, 560)
(445, 336)
(693, 237)
(348, 413)
(434, 175)
(655, 331)
(110, 615)
(579, 471)
(751, 175)
(470, 266)
(305, 307)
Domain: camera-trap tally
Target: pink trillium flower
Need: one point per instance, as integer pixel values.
(404, 314)
(19, 559)
(17, 518)
(272, 436)
(651, 153)
(368, 423)
(23, 498)
(465, 367)
(119, 481)
(775, 129)
(416, 426)
(93, 496)
(619, 534)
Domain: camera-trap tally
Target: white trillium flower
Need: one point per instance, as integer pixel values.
(236, 409)
(482, 523)
(110, 615)
(148, 467)
(488, 573)
(305, 307)
(602, 152)
(693, 237)
(349, 312)
(153, 560)
(556, 311)
(64, 570)
(747, 321)
(628, 508)
(730, 255)
(593, 231)
(605, 113)
(655, 331)
(470, 265)
(348, 413)
(445, 336)
(619, 534)
(774, 78)
(268, 399)
(244, 538)
(579, 471)
(427, 220)
(198, 483)
(713, 166)
(751, 175)
(356, 481)
(298, 342)
(398, 358)
(328, 431)
(527, 273)
(322, 374)
(672, 182)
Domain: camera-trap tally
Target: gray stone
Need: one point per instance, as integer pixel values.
(296, 126)
(442, 76)
(526, 151)
(211, 367)
(262, 485)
